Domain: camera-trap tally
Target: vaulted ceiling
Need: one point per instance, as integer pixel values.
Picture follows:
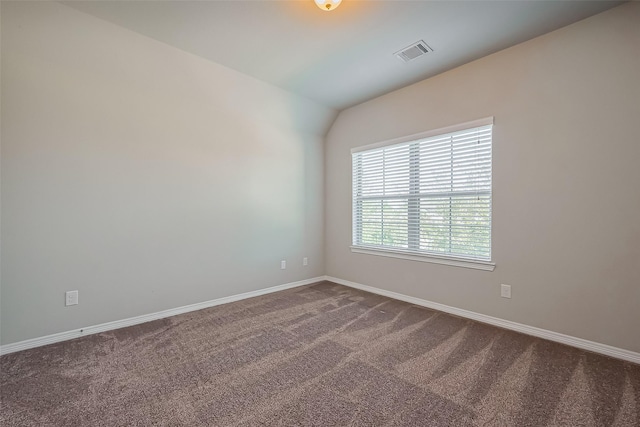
(343, 57)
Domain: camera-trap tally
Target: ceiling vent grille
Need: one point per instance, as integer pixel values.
(414, 51)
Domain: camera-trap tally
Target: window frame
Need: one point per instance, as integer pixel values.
(413, 255)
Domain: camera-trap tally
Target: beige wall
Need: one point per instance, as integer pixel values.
(566, 189)
(145, 177)
(148, 178)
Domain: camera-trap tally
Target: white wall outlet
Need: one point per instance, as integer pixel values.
(71, 298)
(505, 291)
(283, 264)
(305, 261)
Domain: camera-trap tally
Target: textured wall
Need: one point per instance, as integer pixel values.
(566, 198)
(145, 177)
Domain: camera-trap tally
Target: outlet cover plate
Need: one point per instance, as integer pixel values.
(505, 291)
(71, 298)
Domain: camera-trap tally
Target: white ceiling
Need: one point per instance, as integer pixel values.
(343, 57)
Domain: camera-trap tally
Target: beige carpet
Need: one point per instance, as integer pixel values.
(320, 355)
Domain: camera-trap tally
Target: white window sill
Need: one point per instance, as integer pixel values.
(435, 259)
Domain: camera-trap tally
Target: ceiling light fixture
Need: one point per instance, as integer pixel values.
(327, 4)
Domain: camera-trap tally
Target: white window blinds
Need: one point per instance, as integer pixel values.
(428, 196)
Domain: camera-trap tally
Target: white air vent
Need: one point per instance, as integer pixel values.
(412, 52)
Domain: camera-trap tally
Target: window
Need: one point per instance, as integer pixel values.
(426, 197)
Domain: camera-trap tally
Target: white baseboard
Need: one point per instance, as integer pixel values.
(95, 329)
(583, 344)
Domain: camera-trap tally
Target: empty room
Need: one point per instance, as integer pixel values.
(320, 213)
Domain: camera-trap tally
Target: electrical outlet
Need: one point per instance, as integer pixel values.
(305, 261)
(505, 291)
(71, 298)
(283, 264)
